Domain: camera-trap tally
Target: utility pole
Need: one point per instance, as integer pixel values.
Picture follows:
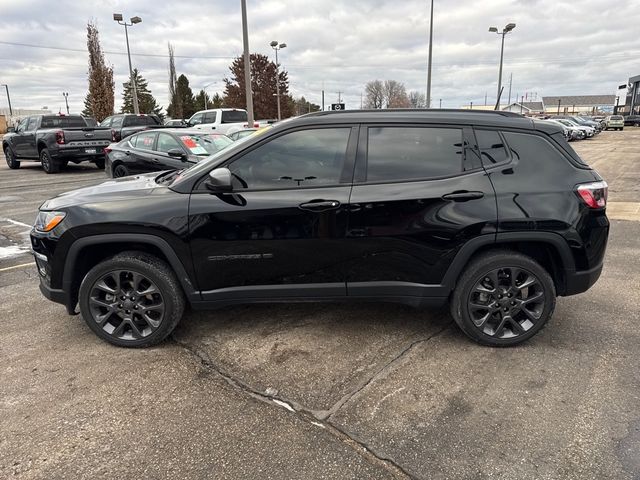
(430, 57)
(8, 98)
(510, 81)
(339, 97)
(247, 65)
(485, 99)
(360, 100)
(559, 100)
(440, 103)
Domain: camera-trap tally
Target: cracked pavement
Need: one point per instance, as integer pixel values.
(324, 391)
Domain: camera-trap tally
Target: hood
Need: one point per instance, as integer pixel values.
(112, 190)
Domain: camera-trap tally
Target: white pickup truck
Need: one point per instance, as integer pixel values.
(220, 120)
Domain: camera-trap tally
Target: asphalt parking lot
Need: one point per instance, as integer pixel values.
(323, 391)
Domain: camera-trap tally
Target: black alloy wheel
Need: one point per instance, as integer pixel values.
(131, 300)
(49, 165)
(503, 298)
(12, 163)
(506, 302)
(126, 305)
(120, 171)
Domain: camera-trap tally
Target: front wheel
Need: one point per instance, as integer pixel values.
(12, 163)
(131, 300)
(503, 298)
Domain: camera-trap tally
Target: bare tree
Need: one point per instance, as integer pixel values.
(100, 98)
(417, 99)
(374, 94)
(177, 110)
(395, 95)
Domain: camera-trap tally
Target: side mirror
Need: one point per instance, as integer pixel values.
(11, 129)
(219, 180)
(177, 153)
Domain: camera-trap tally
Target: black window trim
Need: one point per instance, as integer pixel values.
(502, 164)
(363, 153)
(346, 176)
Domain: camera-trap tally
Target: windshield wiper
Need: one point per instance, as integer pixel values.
(167, 177)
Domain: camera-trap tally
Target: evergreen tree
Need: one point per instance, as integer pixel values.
(185, 98)
(302, 106)
(217, 101)
(263, 85)
(202, 100)
(100, 98)
(146, 103)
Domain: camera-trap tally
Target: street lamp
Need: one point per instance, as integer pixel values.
(508, 27)
(66, 101)
(8, 98)
(278, 46)
(134, 20)
(204, 89)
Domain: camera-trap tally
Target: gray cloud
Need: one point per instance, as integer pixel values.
(558, 47)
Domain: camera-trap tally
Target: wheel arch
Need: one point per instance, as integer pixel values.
(41, 145)
(86, 252)
(547, 248)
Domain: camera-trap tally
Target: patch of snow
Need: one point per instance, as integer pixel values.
(12, 251)
(284, 405)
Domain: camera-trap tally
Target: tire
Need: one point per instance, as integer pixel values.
(526, 313)
(120, 171)
(128, 276)
(49, 165)
(9, 156)
(99, 163)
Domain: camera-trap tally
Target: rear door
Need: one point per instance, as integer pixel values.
(142, 156)
(419, 195)
(29, 138)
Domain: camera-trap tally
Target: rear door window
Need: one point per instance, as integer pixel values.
(116, 122)
(413, 153)
(146, 140)
(492, 148)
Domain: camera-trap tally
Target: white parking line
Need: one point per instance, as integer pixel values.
(17, 266)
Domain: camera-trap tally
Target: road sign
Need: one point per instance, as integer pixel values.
(337, 106)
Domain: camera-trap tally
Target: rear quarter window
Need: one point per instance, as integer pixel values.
(539, 152)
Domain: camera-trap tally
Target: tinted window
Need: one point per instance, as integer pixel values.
(138, 121)
(63, 122)
(398, 153)
(166, 142)
(306, 158)
(117, 122)
(533, 148)
(234, 116)
(145, 140)
(209, 117)
(492, 148)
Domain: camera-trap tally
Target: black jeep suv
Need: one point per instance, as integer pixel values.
(490, 211)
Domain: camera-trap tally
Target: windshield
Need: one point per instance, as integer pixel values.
(204, 145)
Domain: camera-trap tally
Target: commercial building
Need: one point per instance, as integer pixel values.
(565, 105)
(632, 102)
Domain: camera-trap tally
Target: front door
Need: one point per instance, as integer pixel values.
(20, 140)
(419, 194)
(281, 231)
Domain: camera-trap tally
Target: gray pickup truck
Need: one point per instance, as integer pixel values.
(56, 140)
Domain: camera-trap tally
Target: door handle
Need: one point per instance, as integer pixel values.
(319, 205)
(155, 160)
(463, 196)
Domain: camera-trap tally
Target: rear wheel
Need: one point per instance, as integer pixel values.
(49, 165)
(12, 163)
(131, 300)
(503, 298)
(120, 171)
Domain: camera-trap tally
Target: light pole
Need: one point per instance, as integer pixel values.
(247, 64)
(8, 98)
(508, 27)
(278, 46)
(66, 101)
(134, 20)
(204, 89)
(430, 57)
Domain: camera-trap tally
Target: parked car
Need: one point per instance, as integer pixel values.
(583, 122)
(490, 211)
(54, 141)
(158, 150)
(616, 122)
(632, 120)
(175, 122)
(222, 120)
(586, 132)
(125, 124)
(242, 133)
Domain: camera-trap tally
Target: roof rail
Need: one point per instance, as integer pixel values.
(503, 113)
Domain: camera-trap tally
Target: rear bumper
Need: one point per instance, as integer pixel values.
(579, 282)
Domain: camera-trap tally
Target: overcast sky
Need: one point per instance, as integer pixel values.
(558, 47)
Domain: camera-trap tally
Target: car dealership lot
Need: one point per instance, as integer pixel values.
(323, 391)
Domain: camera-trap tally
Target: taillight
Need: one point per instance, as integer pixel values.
(60, 137)
(594, 194)
(113, 135)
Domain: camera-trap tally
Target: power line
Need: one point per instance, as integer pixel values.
(48, 47)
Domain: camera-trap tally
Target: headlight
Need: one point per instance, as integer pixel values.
(47, 221)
